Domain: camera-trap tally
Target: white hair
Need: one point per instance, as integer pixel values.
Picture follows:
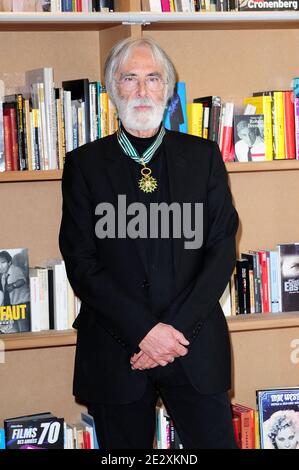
(120, 54)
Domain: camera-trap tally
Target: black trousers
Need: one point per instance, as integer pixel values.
(201, 421)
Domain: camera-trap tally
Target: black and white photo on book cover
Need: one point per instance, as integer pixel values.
(14, 291)
(279, 418)
(249, 138)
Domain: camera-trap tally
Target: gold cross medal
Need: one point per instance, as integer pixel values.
(147, 183)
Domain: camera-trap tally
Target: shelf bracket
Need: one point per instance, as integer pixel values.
(141, 23)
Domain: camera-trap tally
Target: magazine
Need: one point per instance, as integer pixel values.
(279, 418)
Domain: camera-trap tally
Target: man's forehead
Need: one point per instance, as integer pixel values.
(141, 57)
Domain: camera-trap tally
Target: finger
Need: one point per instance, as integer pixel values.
(162, 363)
(180, 351)
(135, 357)
(181, 338)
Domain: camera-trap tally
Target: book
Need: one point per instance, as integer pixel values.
(2, 160)
(278, 417)
(288, 274)
(213, 104)
(175, 117)
(80, 92)
(246, 433)
(38, 431)
(14, 291)
(249, 138)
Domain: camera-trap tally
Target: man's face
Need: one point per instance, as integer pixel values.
(247, 136)
(140, 108)
(4, 265)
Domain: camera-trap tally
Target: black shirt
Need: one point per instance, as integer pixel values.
(159, 250)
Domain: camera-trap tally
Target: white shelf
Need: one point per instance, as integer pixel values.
(149, 17)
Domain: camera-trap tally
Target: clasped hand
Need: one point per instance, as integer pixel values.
(160, 346)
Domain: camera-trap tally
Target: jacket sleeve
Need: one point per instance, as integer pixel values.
(189, 311)
(122, 315)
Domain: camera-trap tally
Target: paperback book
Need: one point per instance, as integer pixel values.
(14, 291)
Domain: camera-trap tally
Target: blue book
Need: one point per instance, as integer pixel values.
(2, 438)
(175, 118)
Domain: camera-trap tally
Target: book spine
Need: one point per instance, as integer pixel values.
(279, 125)
(289, 125)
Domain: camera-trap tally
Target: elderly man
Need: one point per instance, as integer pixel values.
(150, 323)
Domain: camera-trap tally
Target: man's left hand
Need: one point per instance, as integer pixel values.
(142, 361)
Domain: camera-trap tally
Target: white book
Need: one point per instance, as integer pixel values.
(71, 313)
(60, 294)
(68, 122)
(34, 301)
(45, 75)
(93, 111)
(250, 109)
(225, 301)
(42, 274)
(45, 163)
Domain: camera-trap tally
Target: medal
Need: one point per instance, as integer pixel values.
(147, 183)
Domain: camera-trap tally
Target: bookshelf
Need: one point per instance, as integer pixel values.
(234, 54)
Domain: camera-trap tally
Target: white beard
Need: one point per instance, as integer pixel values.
(140, 120)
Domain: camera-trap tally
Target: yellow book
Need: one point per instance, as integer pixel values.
(194, 118)
(279, 125)
(263, 105)
(172, 7)
(112, 117)
(257, 444)
(104, 113)
(60, 134)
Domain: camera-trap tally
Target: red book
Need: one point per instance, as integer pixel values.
(86, 440)
(11, 113)
(247, 423)
(289, 124)
(237, 430)
(264, 281)
(7, 143)
(79, 5)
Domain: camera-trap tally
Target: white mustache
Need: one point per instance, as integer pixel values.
(140, 102)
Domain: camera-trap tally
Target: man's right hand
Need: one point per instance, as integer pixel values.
(163, 343)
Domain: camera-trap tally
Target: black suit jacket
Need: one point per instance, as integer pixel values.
(109, 276)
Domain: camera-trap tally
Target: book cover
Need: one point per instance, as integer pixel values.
(249, 138)
(14, 291)
(279, 418)
(288, 272)
(39, 431)
(175, 118)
